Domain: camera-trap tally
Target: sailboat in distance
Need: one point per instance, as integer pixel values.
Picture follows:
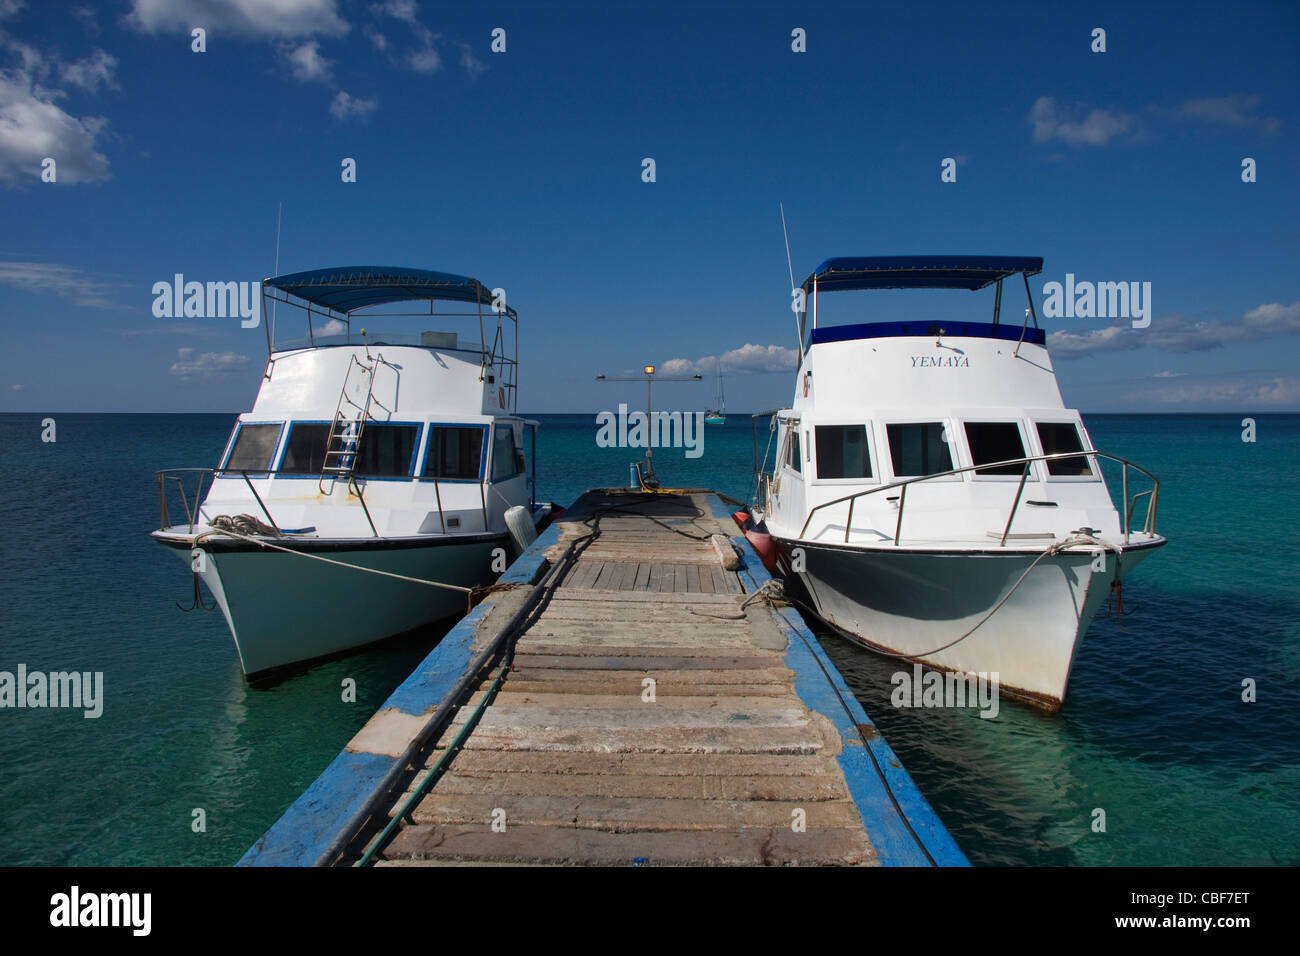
(718, 415)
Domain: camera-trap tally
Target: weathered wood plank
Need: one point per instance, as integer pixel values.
(649, 764)
(644, 814)
(555, 845)
(683, 787)
(564, 646)
(525, 659)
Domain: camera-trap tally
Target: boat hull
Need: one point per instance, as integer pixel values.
(912, 603)
(284, 610)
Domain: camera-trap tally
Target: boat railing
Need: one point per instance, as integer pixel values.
(177, 477)
(762, 479)
(188, 485)
(497, 348)
(1130, 503)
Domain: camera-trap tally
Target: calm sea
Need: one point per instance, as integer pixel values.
(1154, 733)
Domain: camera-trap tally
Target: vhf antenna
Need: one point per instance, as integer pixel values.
(790, 266)
(278, 213)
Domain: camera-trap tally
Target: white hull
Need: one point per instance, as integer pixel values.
(912, 603)
(284, 610)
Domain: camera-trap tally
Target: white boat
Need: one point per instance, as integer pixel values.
(365, 493)
(934, 495)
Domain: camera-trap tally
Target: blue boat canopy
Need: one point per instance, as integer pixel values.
(345, 289)
(918, 272)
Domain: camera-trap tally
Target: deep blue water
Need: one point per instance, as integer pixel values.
(1154, 731)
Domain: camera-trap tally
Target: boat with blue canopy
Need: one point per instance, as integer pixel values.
(931, 492)
(381, 478)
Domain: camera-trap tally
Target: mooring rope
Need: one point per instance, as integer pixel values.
(230, 532)
(764, 593)
(1074, 540)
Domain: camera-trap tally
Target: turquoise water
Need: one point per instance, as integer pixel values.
(1154, 731)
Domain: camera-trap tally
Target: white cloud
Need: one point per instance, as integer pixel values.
(397, 9)
(86, 15)
(9, 7)
(33, 127)
(207, 365)
(1235, 110)
(1274, 318)
(1175, 333)
(1098, 128)
(1066, 344)
(57, 279)
(345, 105)
(425, 60)
(90, 73)
(33, 63)
(17, 388)
(746, 360)
(472, 64)
(307, 63)
(1238, 392)
(277, 18)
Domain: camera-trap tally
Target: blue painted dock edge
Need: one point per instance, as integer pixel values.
(902, 826)
(900, 823)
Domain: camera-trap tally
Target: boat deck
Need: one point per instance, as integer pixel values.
(654, 708)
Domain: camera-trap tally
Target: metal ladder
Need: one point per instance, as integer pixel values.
(344, 440)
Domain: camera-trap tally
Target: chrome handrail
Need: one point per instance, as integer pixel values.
(177, 475)
(1149, 526)
(192, 515)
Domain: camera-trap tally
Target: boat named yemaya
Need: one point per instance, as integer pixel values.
(379, 479)
(932, 492)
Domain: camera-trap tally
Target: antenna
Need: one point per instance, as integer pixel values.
(278, 213)
(790, 266)
(787, 247)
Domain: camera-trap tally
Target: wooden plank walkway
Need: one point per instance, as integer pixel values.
(576, 761)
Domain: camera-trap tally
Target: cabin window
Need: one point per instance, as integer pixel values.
(842, 451)
(1060, 437)
(918, 448)
(995, 441)
(793, 458)
(506, 460)
(386, 451)
(253, 448)
(304, 452)
(455, 453)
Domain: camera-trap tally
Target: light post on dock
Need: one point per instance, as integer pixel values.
(649, 370)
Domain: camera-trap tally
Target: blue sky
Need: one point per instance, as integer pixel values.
(524, 169)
